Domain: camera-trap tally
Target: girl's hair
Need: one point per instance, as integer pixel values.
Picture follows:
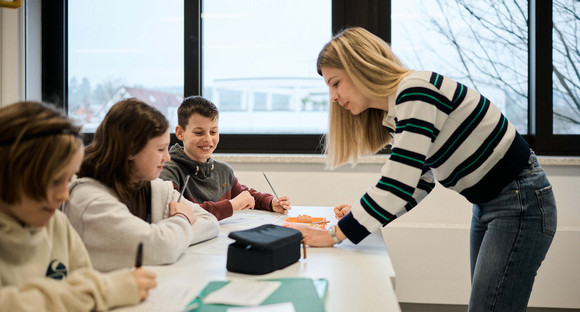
(376, 72)
(195, 105)
(124, 132)
(36, 143)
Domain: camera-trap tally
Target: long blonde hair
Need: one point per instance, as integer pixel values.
(376, 72)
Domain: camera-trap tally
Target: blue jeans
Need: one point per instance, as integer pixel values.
(510, 236)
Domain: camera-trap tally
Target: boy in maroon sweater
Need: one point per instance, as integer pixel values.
(212, 183)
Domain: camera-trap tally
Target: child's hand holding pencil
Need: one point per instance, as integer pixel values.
(279, 204)
(145, 279)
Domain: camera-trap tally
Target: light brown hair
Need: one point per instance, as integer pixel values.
(125, 131)
(36, 143)
(376, 72)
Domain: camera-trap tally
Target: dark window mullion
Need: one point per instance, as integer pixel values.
(54, 54)
(373, 15)
(192, 45)
(540, 79)
(545, 142)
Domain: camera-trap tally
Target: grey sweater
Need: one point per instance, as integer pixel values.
(212, 184)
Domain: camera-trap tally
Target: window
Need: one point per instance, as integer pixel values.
(481, 44)
(224, 48)
(259, 64)
(566, 61)
(121, 49)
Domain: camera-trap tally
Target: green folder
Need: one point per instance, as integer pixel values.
(306, 294)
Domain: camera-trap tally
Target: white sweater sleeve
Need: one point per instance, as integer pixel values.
(206, 226)
(83, 290)
(111, 233)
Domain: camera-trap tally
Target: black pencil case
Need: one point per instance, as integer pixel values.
(263, 249)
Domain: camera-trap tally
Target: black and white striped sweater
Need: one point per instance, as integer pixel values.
(444, 132)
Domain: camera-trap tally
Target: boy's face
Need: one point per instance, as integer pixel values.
(37, 213)
(200, 138)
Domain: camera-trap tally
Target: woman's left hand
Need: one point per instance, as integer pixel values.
(282, 205)
(314, 237)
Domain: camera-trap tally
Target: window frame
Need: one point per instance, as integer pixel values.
(370, 14)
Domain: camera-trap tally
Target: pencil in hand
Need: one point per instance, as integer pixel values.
(184, 188)
(139, 258)
(270, 184)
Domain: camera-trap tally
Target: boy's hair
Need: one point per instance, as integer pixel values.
(195, 105)
(376, 72)
(124, 131)
(36, 143)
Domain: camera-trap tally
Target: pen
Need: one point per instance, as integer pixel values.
(273, 190)
(139, 259)
(184, 188)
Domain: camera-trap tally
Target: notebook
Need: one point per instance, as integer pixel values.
(307, 295)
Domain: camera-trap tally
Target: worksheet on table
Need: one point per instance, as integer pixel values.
(250, 218)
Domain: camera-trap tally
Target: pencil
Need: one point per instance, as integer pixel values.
(139, 258)
(184, 188)
(274, 191)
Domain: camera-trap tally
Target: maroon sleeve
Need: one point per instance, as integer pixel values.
(263, 200)
(221, 209)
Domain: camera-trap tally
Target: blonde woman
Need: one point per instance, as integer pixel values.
(44, 265)
(439, 130)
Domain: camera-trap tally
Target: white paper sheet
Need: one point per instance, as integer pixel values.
(277, 307)
(243, 293)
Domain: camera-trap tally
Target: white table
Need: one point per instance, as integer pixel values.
(360, 277)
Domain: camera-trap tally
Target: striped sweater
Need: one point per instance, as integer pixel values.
(445, 132)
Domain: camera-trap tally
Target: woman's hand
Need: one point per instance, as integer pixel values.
(282, 205)
(182, 209)
(342, 210)
(244, 200)
(145, 281)
(314, 237)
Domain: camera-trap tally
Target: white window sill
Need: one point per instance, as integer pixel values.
(375, 159)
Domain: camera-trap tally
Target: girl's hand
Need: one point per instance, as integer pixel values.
(182, 209)
(314, 237)
(282, 205)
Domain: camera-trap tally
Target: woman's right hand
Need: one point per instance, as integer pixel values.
(341, 211)
(182, 208)
(145, 281)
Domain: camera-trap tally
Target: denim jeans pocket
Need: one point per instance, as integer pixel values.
(547, 204)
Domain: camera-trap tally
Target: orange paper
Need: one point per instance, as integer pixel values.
(305, 220)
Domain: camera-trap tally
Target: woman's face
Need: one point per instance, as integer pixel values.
(37, 213)
(148, 163)
(343, 91)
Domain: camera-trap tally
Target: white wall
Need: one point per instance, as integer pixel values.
(429, 246)
(11, 63)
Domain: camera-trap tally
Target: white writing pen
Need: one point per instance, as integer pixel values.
(184, 188)
(273, 190)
